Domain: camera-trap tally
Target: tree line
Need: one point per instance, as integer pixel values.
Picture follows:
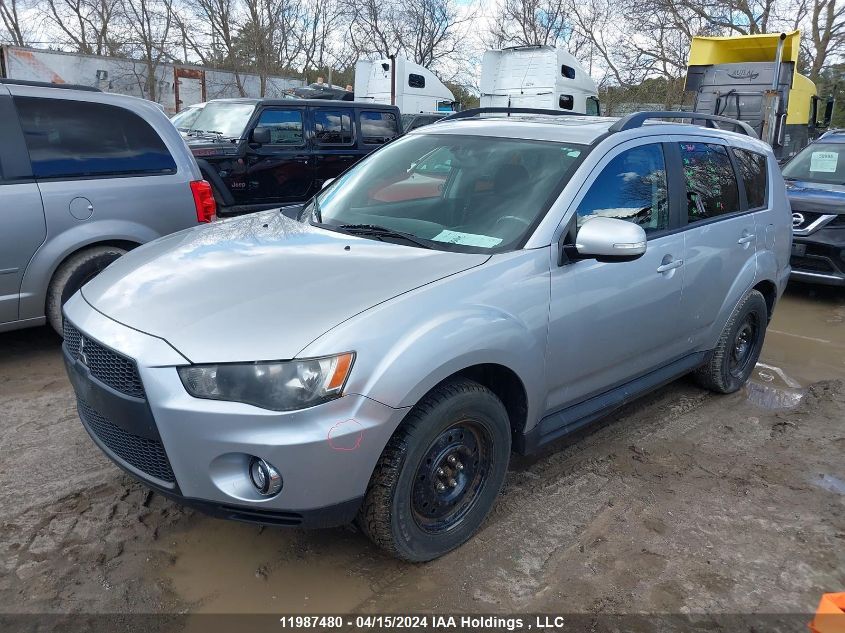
(631, 47)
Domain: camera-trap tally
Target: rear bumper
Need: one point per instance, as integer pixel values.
(325, 454)
(820, 257)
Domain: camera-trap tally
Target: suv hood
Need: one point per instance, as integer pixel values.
(259, 287)
(816, 197)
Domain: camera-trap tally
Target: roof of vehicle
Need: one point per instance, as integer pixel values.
(580, 129)
(320, 103)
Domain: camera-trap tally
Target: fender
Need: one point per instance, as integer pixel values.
(744, 281)
(210, 174)
(57, 248)
(404, 349)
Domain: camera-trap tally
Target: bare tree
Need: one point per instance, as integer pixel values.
(209, 28)
(87, 25)
(149, 24)
(826, 34)
(11, 19)
(530, 22)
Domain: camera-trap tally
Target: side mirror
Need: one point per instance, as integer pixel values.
(610, 239)
(327, 182)
(261, 135)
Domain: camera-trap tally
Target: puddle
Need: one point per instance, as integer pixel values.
(229, 567)
(806, 337)
(829, 483)
(771, 388)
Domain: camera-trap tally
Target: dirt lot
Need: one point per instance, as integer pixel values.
(683, 502)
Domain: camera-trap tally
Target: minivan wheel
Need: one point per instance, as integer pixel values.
(439, 474)
(72, 274)
(739, 347)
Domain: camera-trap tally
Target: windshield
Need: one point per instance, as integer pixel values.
(465, 193)
(819, 162)
(229, 119)
(186, 118)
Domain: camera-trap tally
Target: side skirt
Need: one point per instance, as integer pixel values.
(561, 423)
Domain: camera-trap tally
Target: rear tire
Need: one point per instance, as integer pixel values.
(72, 274)
(439, 474)
(739, 346)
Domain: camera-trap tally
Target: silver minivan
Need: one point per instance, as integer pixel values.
(480, 285)
(84, 177)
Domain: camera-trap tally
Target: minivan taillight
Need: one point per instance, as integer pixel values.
(203, 201)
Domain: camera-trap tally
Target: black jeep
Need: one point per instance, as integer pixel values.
(264, 153)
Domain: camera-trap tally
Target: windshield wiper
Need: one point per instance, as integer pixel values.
(382, 231)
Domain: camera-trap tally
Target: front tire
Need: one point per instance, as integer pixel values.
(736, 354)
(439, 474)
(72, 274)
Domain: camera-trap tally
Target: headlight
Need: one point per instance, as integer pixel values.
(280, 386)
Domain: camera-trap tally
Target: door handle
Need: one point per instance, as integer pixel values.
(675, 263)
(745, 239)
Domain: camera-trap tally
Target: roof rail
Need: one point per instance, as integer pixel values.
(47, 84)
(466, 114)
(636, 120)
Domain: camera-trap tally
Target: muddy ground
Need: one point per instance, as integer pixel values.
(684, 502)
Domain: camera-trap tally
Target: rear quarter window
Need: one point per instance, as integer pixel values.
(378, 127)
(72, 139)
(752, 170)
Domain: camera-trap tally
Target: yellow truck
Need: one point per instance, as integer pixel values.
(754, 78)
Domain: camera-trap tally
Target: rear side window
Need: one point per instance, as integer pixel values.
(710, 181)
(333, 127)
(567, 71)
(378, 127)
(285, 125)
(752, 170)
(632, 187)
(416, 81)
(80, 139)
(566, 102)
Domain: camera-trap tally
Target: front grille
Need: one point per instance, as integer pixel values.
(809, 218)
(107, 366)
(145, 454)
(811, 264)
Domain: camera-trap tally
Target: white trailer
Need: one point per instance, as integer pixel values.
(176, 86)
(537, 77)
(411, 87)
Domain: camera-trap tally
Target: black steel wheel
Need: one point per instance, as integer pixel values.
(730, 365)
(440, 473)
(450, 476)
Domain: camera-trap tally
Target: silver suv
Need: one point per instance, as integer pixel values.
(478, 286)
(84, 177)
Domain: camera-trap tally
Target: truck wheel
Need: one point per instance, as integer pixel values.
(72, 274)
(739, 347)
(439, 474)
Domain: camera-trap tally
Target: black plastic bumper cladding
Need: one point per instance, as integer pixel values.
(824, 252)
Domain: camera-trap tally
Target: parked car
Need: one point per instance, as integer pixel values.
(388, 356)
(413, 121)
(815, 184)
(84, 177)
(184, 119)
(264, 153)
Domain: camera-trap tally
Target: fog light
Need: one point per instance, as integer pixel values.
(265, 477)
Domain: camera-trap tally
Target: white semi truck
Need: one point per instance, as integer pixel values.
(541, 77)
(397, 81)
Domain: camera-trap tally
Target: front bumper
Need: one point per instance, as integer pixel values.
(820, 257)
(325, 454)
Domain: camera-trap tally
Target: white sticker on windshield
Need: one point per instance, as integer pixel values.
(824, 162)
(467, 239)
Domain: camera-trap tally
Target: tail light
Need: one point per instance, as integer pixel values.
(203, 201)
